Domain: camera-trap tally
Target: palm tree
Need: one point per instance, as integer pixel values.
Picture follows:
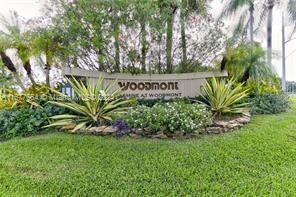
(19, 41)
(24, 52)
(270, 6)
(168, 10)
(291, 7)
(234, 6)
(246, 62)
(292, 12)
(7, 62)
(47, 42)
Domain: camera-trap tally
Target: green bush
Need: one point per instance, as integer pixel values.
(224, 96)
(95, 105)
(269, 103)
(25, 121)
(261, 87)
(170, 117)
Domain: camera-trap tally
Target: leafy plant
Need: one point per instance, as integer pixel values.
(94, 104)
(170, 117)
(245, 62)
(224, 96)
(23, 121)
(261, 87)
(270, 103)
(10, 98)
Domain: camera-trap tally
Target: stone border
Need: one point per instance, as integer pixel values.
(219, 127)
(222, 126)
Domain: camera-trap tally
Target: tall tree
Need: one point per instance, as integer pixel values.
(234, 6)
(187, 7)
(270, 6)
(24, 52)
(19, 40)
(169, 9)
(7, 62)
(47, 43)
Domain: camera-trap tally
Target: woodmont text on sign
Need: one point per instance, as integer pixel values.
(152, 86)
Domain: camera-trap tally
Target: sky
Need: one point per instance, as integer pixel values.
(32, 8)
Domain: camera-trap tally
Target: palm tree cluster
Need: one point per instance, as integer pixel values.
(261, 10)
(136, 36)
(28, 45)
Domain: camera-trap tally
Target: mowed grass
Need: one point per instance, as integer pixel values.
(259, 159)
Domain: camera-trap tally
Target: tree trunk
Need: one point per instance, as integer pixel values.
(183, 33)
(47, 73)
(144, 45)
(101, 60)
(283, 54)
(169, 42)
(116, 46)
(251, 23)
(10, 66)
(101, 56)
(246, 75)
(28, 68)
(270, 5)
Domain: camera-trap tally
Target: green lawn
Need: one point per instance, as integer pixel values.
(259, 159)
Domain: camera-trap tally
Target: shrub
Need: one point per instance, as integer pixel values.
(25, 121)
(170, 117)
(261, 87)
(224, 96)
(121, 127)
(93, 105)
(10, 98)
(270, 103)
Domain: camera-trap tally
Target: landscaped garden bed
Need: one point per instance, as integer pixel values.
(223, 107)
(257, 160)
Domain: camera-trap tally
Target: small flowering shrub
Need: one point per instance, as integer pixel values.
(121, 127)
(170, 117)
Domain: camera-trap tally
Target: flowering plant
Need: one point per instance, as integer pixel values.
(170, 117)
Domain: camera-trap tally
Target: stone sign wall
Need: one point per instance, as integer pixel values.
(152, 86)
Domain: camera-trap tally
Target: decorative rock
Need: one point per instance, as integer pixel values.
(139, 131)
(109, 130)
(247, 114)
(97, 129)
(203, 131)
(160, 136)
(243, 120)
(177, 134)
(215, 130)
(234, 125)
(68, 127)
(221, 123)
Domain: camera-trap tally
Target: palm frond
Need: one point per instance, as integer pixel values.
(292, 12)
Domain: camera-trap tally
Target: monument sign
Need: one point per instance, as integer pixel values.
(146, 86)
